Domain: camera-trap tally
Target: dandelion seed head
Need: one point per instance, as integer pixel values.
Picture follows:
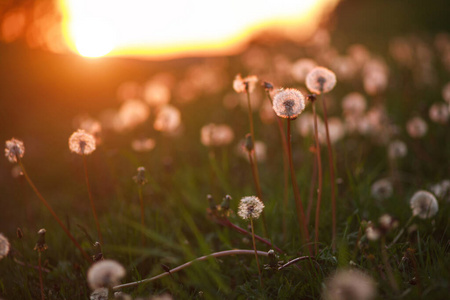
(424, 204)
(168, 119)
(416, 127)
(350, 284)
(240, 85)
(382, 189)
(250, 207)
(104, 274)
(441, 189)
(143, 144)
(320, 80)
(372, 233)
(354, 104)
(439, 113)
(387, 222)
(446, 93)
(397, 149)
(81, 142)
(14, 149)
(131, 113)
(4, 246)
(301, 68)
(216, 135)
(288, 103)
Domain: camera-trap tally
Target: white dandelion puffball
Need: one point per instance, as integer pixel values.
(288, 103)
(382, 189)
(424, 204)
(250, 207)
(216, 135)
(349, 284)
(320, 80)
(4, 246)
(397, 149)
(105, 273)
(81, 142)
(416, 127)
(14, 149)
(168, 119)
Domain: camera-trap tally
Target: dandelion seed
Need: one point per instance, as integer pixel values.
(82, 142)
(416, 127)
(168, 119)
(14, 149)
(250, 207)
(4, 246)
(424, 204)
(288, 103)
(439, 113)
(216, 135)
(240, 85)
(382, 189)
(105, 274)
(320, 80)
(349, 284)
(397, 149)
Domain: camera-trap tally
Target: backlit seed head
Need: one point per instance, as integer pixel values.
(216, 135)
(4, 246)
(372, 232)
(242, 85)
(424, 204)
(382, 189)
(168, 119)
(416, 127)
(349, 284)
(320, 80)
(82, 142)
(387, 222)
(354, 104)
(288, 103)
(397, 149)
(250, 207)
(105, 274)
(14, 149)
(439, 113)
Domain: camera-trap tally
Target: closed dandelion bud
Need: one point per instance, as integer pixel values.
(248, 144)
(19, 233)
(424, 205)
(311, 97)
(212, 204)
(267, 86)
(41, 246)
(250, 207)
(98, 252)
(140, 177)
(4, 246)
(14, 150)
(225, 205)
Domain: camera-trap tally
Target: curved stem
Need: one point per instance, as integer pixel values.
(319, 194)
(91, 200)
(298, 201)
(332, 177)
(201, 258)
(55, 216)
(296, 260)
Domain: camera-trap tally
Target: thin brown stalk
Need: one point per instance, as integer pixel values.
(201, 258)
(312, 188)
(41, 283)
(141, 200)
(91, 200)
(256, 252)
(319, 193)
(299, 206)
(332, 176)
(47, 205)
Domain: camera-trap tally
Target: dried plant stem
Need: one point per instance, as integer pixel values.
(179, 268)
(332, 176)
(47, 205)
(256, 252)
(285, 170)
(401, 232)
(319, 193)
(312, 188)
(296, 260)
(388, 267)
(141, 200)
(298, 202)
(91, 200)
(40, 276)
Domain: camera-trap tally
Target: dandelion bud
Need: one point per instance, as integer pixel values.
(248, 144)
(424, 205)
(225, 205)
(212, 204)
(250, 207)
(98, 252)
(349, 284)
(288, 103)
(416, 127)
(82, 142)
(320, 80)
(105, 274)
(19, 233)
(4, 246)
(41, 246)
(273, 262)
(311, 97)
(267, 86)
(14, 150)
(140, 177)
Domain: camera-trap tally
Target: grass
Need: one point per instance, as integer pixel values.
(178, 228)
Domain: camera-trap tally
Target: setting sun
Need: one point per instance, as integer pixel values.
(174, 28)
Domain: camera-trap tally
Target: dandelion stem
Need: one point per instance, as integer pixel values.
(201, 258)
(401, 232)
(141, 200)
(311, 192)
(40, 276)
(319, 167)
(300, 212)
(47, 205)
(332, 176)
(91, 200)
(388, 267)
(256, 253)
